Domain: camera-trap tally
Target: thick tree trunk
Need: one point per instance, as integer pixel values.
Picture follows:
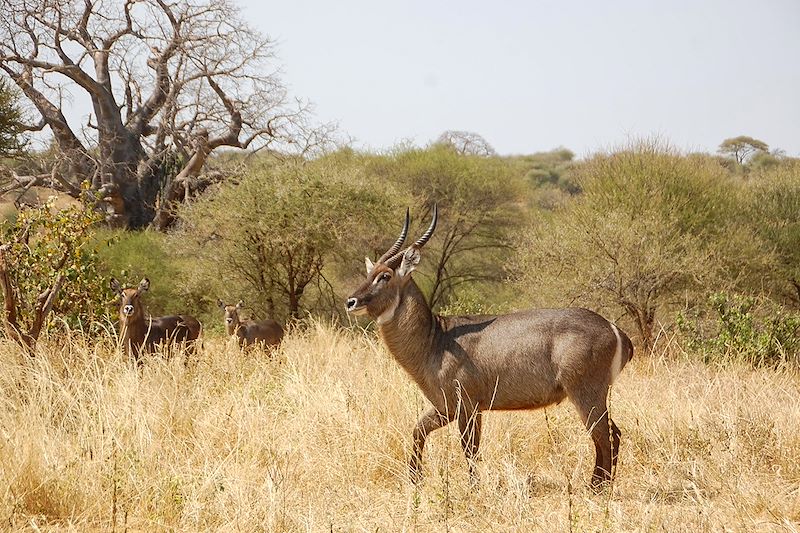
(177, 190)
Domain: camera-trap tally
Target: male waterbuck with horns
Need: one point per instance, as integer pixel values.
(139, 333)
(469, 364)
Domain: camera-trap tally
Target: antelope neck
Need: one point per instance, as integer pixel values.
(410, 334)
(134, 330)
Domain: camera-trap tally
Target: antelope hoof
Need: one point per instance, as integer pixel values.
(600, 482)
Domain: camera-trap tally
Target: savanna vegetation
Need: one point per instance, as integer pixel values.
(695, 255)
(695, 258)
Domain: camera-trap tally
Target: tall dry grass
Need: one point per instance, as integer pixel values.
(316, 439)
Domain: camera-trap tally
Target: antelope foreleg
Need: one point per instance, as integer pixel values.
(430, 421)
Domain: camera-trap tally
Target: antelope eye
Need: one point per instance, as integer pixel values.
(385, 276)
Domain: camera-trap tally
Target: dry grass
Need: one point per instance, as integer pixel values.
(316, 439)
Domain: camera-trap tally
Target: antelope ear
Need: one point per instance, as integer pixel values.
(411, 259)
(114, 284)
(220, 304)
(144, 285)
(369, 264)
(240, 304)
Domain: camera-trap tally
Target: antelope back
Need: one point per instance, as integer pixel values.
(267, 331)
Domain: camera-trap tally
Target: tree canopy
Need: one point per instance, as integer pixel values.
(271, 235)
(10, 121)
(742, 147)
(168, 83)
(649, 224)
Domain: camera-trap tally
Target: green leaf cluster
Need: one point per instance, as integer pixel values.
(11, 140)
(753, 330)
(45, 243)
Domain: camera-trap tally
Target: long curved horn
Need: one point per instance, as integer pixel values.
(400, 240)
(393, 261)
(419, 243)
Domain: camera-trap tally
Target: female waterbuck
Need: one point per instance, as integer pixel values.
(268, 332)
(469, 364)
(139, 333)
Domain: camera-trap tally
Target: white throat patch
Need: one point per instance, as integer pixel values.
(388, 315)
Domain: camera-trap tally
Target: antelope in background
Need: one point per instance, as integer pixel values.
(465, 365)
(268, 332)
(142, 334)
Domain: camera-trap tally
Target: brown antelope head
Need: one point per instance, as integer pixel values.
(130, 305)
(379, 296)
(231, 313)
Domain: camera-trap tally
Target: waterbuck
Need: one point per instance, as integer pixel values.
(268, 332)
(142, 334)
(469, 364)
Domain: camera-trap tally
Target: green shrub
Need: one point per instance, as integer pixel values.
(130, 256)
(43, 245)
(650, 226)
(745, 329)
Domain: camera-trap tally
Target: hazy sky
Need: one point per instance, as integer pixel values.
(531, 76)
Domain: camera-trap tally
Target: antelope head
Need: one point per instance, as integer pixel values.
(231, 315)
(130, 306)
(379, 296)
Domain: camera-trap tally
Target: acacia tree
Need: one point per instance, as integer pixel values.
(168, 82)
(742, 147)
(772, 208)
(650, 227)
(480, 204)
(273, 235)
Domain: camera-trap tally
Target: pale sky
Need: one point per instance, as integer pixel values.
(534, 75)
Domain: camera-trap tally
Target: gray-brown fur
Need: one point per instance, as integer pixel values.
(268, 331)
(140, 333)
(469, 364)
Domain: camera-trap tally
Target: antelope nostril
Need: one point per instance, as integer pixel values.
(229, 320)
(351, 303)
(128, 309)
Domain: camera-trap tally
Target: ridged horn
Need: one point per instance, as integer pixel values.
(419, 243)
(394, 261)
(400, 240)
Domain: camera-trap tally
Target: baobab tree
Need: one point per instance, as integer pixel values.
(466, 143)
(168, 83)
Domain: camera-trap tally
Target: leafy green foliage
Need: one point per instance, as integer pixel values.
(772, 209)
(480, 201)
(11, 141)
(131, 256)
(549, 177)
(649, 226)
(742, 147)
(45, 244)
(269, 237)
(745, 329)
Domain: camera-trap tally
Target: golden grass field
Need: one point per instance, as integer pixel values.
(317, 437)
